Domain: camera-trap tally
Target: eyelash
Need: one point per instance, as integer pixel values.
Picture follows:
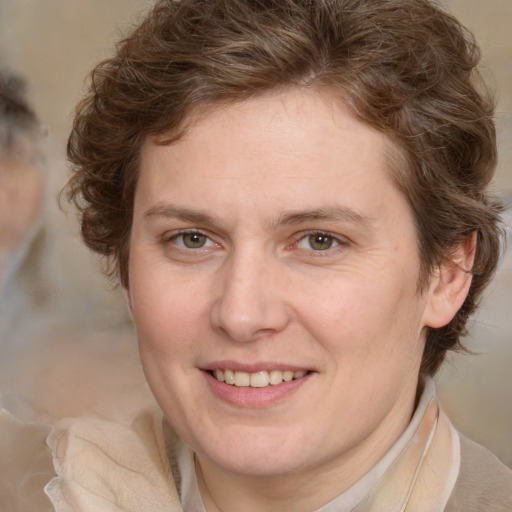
(334, 239)
(340, 242)
(171, 238)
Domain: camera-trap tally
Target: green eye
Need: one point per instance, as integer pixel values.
(193, 240)
(320, 241)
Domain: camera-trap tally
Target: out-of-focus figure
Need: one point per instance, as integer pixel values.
(45, 360)
(21, 182)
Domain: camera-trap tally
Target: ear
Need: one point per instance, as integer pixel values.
(450, 284)
(128, 300)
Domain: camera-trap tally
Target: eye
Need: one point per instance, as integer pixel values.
(318, 242)
(191, 240)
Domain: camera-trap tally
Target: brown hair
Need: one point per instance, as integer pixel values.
(404, 67)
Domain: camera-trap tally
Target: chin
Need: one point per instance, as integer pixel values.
(258, 451)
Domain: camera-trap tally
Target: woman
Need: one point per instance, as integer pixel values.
(21, 183)
(293, 196)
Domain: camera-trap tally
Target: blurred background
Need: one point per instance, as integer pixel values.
(59, 308)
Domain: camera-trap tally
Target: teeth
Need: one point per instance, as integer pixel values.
(260, 379)
(229, 377)
(287, 376)
(242, 379)
(275, 377)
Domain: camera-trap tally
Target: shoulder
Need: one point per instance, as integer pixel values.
(104, 465)
(26, 464)
(85, 464)
(484, 483)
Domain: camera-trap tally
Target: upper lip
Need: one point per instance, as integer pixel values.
(254, 367)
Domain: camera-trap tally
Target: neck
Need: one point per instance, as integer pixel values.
(9, 262)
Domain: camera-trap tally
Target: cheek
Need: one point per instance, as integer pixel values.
(365, 319)
(20, 205)
(167, 312)
(165, 326)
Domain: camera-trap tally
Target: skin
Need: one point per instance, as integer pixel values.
(21, 200)
(255, 180)
(21, 196)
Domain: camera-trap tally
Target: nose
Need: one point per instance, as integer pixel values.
(250, 303)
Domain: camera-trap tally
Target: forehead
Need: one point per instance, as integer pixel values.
(284, 150)
(293, 124)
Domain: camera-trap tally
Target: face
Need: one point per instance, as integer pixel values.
(21, 196)
(271, 250)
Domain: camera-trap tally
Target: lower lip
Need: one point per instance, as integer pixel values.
(254, 397)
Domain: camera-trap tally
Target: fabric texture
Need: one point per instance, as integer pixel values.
(110, 467)
(484, 483)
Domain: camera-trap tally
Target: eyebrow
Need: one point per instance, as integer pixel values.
(177, 212)
(294, 217)
(328, 213)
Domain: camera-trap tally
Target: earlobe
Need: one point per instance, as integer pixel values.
(450, 284)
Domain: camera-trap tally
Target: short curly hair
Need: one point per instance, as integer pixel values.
(404, 67)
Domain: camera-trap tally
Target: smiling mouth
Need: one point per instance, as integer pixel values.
(259, 379)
